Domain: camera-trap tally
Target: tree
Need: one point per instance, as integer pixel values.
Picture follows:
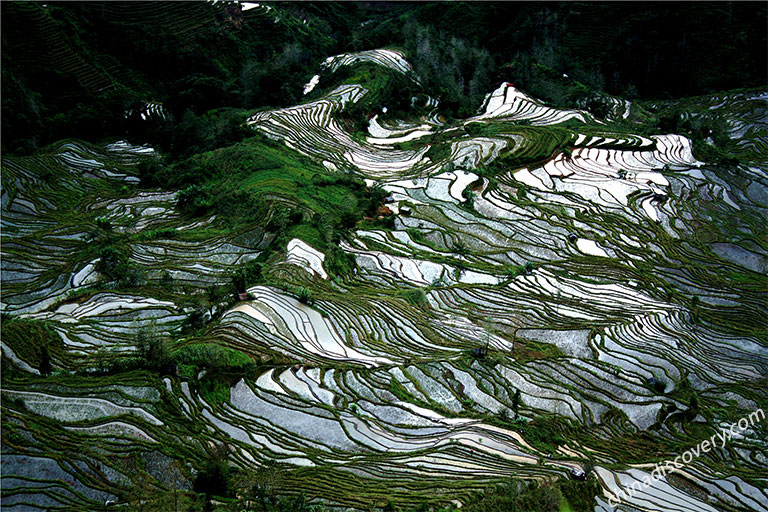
(45, 362)
(516, 402)
(260, 484)
(550, 498)
(377, 195)
(247, 275)
(152, 349)
(113, 263)
(214, 478)
(280, 220)
(148, 168)
(104, 225)
(194, 199)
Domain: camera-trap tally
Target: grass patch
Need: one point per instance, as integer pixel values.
(416, 297)
(29, 339)
(525, 351)
(214, 389)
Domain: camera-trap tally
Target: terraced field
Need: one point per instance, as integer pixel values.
(541, 291)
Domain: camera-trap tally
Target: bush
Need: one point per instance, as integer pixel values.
(338, 262)
(459, 248)
(249, 274)
(304, 294)
(194, 200)
(469, 196)
(214, 478)
(104, 224)
(113, 263)
(416, 297)
(438, 152)
(581, 495)
(416, 235)
(152, 349)
(148, 169)
(520, 496)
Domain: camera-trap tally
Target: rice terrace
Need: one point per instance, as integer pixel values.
(384, 256)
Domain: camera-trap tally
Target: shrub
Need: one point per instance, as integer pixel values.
(104, 224)
(304, 294)
(249, 274)
(469, 196)
(194, 200)
(148, 169)
(113, 263)
(338, 262)
(152, 349)
(459, 248)
(214, 478)
(45, 362)
(416, 235)
(438, 152)
(416, 297)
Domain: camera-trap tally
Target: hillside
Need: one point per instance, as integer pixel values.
(261, 257)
